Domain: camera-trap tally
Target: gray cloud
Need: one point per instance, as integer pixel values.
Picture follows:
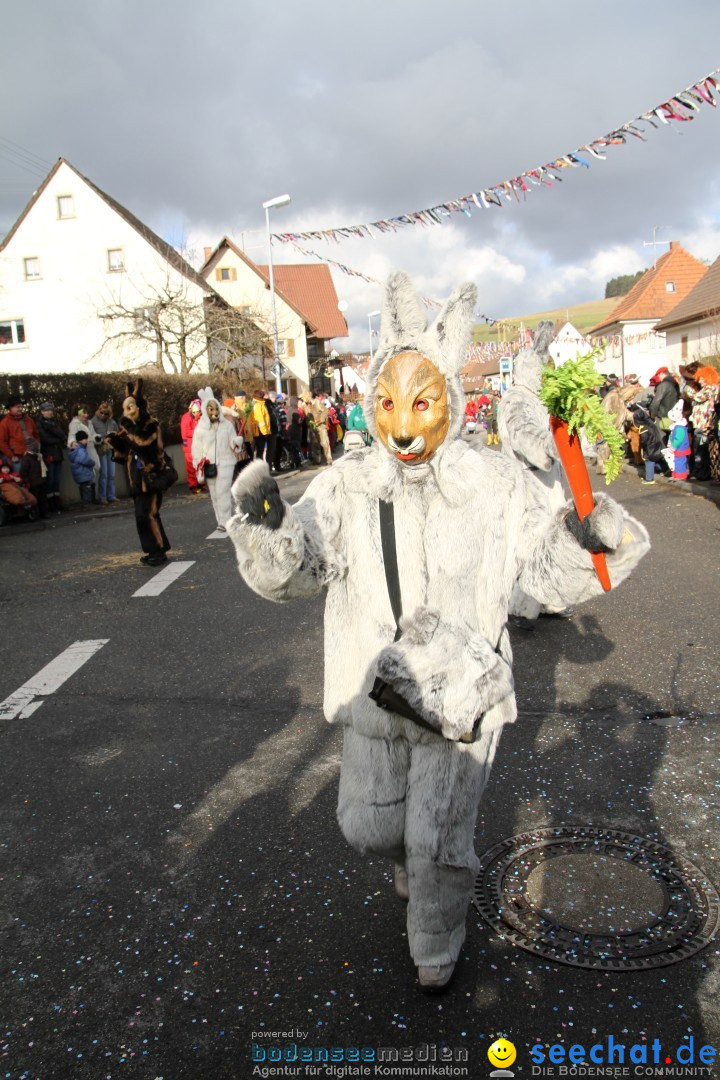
(192, 115)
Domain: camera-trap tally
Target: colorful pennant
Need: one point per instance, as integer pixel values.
(680, 107)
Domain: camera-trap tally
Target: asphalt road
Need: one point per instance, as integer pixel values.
(173, 881)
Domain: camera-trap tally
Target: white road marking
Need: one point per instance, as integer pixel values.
(22, 703)
(167, 575)
(219, 534)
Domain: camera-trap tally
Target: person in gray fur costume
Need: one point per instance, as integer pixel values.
(524, 429)
(406, 792)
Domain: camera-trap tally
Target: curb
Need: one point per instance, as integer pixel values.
(704, 489)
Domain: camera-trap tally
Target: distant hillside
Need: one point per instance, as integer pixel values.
(582, 316)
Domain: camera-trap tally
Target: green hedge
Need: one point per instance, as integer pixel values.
(168, 396)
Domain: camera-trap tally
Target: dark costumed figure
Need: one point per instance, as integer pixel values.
(138, 445)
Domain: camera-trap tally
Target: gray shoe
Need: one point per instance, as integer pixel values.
(433, 980)
(401, 882)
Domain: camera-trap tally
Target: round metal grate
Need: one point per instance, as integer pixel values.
(596, 898)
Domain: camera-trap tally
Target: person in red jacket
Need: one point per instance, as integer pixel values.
(16, 428)
(188, 423)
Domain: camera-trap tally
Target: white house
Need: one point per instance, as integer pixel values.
(692, 328)
(85, 285)
(305, 301)
(634, 343)
(568, 344)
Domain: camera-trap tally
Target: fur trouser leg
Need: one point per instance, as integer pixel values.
(418, 805)
(219, 488)
(445, 784)
(371, 801)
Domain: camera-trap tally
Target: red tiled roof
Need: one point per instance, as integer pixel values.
(649, 298)
(310, 288)
(702, 302)
(217, 256)
(474, 373)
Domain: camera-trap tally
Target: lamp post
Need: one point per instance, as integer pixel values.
(371, 316)
(272, 204)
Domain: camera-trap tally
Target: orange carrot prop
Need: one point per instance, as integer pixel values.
(568, 393)
(573, 462)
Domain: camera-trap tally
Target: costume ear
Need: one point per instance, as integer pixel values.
(403, 317)
(543, 336)
(138, 387)
(205, 395)
(130, 387)
(453, 326)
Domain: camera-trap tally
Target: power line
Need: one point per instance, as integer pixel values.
(28, 155)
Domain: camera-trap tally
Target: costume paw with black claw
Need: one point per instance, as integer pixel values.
(257, 497)
(602, 530)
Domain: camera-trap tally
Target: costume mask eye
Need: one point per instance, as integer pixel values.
(422, 404)
(387, 404)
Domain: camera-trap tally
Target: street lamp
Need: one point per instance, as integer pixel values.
(371, 316)
(272, 204)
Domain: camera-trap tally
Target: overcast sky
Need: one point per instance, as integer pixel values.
(192, 115)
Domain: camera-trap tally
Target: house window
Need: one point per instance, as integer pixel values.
(12, 332)
(116, 259)
(683, 347)
(226, 273)
(32, 269)
(143, 317)
(66, 206)
(290, 347)
(669, 286)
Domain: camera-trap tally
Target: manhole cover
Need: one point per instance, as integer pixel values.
(596, 898)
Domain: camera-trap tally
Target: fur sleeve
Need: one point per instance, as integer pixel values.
(304, 554)
(558, 572)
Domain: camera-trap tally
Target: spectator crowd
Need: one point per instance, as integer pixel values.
(287, 432)
(670, 426)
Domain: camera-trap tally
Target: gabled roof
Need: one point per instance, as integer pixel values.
(161, 246)
(473, 373)
(227, 244)
(702, 302)
(311, 288)
(648, 298)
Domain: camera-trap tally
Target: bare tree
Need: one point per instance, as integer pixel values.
(181, 331)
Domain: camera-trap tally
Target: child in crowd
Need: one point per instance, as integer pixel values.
(83, 467)
(293, 436)
(14, 490)
(651, 443)
(679, 443)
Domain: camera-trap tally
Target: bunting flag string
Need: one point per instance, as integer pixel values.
(681, 107)
(427, 301)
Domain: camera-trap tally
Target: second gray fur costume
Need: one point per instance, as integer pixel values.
(524, 430)
(405, 792)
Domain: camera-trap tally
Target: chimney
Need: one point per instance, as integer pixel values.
(674, 244)
(207, 252)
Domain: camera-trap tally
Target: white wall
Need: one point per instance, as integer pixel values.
(703, 339)
(60, 309)
(249, 290)
(568, 345)
(642, 352)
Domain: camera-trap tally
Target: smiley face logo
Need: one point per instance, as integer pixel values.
(502, 1054)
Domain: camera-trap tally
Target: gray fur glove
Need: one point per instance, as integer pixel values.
(449, 674)
(601, 530)
(257, 497)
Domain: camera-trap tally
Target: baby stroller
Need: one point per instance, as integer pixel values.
(355, 439)
(470, 425)
(11, 511)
